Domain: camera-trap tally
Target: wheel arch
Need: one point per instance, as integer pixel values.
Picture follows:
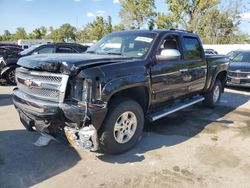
(139, 94)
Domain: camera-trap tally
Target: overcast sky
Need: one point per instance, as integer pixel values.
(31, 14)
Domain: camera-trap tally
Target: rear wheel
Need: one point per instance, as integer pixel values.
(10, 76)
(212, 97)
(123, 127)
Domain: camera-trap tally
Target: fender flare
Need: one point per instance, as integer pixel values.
(122, 83)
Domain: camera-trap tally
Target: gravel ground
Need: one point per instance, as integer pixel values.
(196, 147)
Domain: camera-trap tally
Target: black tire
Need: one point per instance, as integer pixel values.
(9, 76)
(108, 142)
(209, 96)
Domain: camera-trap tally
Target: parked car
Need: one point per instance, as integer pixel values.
(2, 44)
(233, 53)
(239, 69)
(8, 63)
(100, 99)
(6, 50)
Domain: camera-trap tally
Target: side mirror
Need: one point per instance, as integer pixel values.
(35, 53)
(169, 54)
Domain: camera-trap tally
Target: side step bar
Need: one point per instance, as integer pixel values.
(169, 110)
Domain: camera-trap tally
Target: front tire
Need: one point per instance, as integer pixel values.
(212, 97)
(10, 76)
(122, 127)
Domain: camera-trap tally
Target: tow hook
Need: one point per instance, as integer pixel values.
(85, 138)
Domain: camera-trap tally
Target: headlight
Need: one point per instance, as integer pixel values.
(86, 90)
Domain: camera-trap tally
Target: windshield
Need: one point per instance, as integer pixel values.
(28, 50)
(232, 54)
(242, 57)
(133, 45)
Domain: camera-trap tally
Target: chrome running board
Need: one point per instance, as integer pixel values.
(169, 110)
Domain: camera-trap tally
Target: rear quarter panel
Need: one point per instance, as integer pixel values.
(215, 65)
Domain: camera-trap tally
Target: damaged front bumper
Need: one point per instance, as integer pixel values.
(67, 118)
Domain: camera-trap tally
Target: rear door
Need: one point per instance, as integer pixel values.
(195, 64)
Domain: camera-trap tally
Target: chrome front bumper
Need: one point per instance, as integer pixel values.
(238, 85)
(241, 82)
(33, 106)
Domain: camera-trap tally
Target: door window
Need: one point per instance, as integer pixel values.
(170, 42)
(64, 49)
(192, 48)
(46, 50)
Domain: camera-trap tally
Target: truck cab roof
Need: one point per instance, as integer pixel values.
(159, 31)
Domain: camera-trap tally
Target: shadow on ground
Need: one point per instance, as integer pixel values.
(181, 126)
(24, 165)
(5, 100)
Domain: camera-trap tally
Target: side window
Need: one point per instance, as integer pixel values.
(170, 42)
(64, 49)
(46, 50)
(192, 48)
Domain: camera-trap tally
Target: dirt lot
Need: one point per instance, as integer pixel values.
(197, 147)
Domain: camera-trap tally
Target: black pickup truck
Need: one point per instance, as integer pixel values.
(100, 99)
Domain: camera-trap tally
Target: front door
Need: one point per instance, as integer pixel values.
(167, 76)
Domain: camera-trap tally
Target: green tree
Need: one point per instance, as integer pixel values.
(65, 33)
(20, 33)
(6, 33)
(119, 27)
(214, 24)
(99, 27)
(39, 33)
(189, 12)
(109, 26)
(85, 34)
(135, 13)
(7, 36)
(220, 27)
(165, 21)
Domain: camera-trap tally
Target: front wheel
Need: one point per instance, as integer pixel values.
(123, 126)
(212, 97)
(10, 76)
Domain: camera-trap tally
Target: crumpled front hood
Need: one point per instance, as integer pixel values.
(242, 66)
(66, 63)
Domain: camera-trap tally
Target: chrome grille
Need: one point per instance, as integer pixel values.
(42, 85)
(238, 74)
(42, 78)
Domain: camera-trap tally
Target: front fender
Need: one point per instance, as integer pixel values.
(123, 83)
